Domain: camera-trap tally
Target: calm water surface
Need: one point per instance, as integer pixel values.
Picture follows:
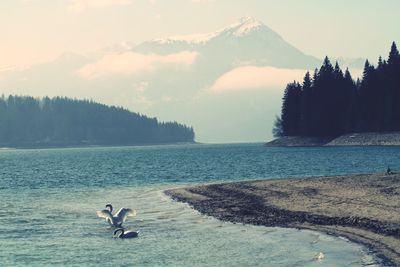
(49, 198)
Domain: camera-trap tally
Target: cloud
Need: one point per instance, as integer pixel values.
(79, 6)
(134, 63)
(256, 78)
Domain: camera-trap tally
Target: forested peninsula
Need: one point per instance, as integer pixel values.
(330, 103)
(61, 122)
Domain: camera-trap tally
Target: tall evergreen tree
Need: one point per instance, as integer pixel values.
(306, 104)
(332, 104)
(393, 87)
(351, 106)
(338, 72)
(393, 54)
(291, 107)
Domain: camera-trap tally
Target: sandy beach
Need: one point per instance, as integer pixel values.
(364, 208)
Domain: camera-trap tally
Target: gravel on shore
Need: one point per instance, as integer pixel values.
(298, 141)
(362, 208)
(354, 139)
(367, 139)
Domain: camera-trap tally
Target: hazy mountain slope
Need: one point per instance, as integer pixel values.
(246, 42)
(178, 92)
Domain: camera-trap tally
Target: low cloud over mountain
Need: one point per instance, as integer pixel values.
(222, 83)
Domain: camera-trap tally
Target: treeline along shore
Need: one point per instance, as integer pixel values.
(330, 103)
(363, 208)
(57, 122)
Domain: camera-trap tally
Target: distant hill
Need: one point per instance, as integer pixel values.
(48, 122)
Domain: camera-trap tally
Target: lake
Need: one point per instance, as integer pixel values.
(49, 199)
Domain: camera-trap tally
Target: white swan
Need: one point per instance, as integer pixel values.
(118, 218)
(126, 234)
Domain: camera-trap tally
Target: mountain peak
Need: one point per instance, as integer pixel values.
(246, 20)
(244, 26)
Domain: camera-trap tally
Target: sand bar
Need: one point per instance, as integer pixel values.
(363, 208)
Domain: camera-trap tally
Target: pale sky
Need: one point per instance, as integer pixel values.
(39, 30)
(224, 101)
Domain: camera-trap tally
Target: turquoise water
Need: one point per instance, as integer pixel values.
(49, 199)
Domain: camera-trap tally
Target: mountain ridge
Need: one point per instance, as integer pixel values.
(155, 78)
(247, 40)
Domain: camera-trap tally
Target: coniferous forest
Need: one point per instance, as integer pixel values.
(330, 103)
(27, 121)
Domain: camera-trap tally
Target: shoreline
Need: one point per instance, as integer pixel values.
(95, 146)
(353, 139)
(362, 208)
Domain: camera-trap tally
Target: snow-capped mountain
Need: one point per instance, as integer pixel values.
(176, 78)
(247, 41)
(243, 27)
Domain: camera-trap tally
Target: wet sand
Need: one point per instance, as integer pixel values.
(363, 208)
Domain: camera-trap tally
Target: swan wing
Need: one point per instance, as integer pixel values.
(106, 214)
(124, 213)
(131, 234)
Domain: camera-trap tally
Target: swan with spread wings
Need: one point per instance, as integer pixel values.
(118, 218)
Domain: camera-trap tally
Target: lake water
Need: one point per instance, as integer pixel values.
(49, 198)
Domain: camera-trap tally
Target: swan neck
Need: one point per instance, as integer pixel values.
(120, 229)
(110, 207)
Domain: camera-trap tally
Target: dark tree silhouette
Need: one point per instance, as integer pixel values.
(291, 109)
(332, 104)
(306, 104)
(26, 121)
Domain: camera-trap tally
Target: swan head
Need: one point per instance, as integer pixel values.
(119, 229)
(109, 206)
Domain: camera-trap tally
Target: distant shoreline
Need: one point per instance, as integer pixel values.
(362, 208)
(354, 139)
(92, 145)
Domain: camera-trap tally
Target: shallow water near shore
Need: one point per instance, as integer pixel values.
(49, 199)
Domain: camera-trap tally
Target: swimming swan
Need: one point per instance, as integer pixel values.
(127, 234)
(118, 218)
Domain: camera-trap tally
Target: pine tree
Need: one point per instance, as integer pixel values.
(380, 63)
(331, 103)
(315, 76)
(326, 68)
(393, 87)
(307, 81)
(306, 105)
(368, 69)
(393, 55)
(338, 72)
(351, 107)
(291, 111)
